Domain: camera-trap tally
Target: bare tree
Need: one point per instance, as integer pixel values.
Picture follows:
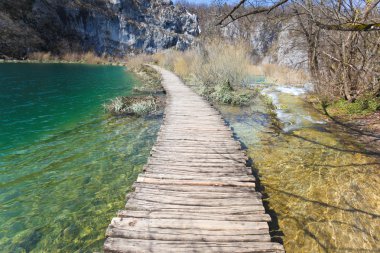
(342, 37)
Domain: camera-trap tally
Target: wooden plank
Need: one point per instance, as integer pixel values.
(239, 156)
(191, 224)
(193, 215)
(194, 188)
(199, 194)
(183, 169)
(188, 235)
(195, 163)
(199, 201)
(151, 206)
(154, 246)
(142, 179)
(194, 150)
(198, 177)
(196, 174)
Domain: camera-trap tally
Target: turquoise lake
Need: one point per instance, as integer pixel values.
(65, 165)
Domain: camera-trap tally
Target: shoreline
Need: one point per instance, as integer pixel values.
(121, 64)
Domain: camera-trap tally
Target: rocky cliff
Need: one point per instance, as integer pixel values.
(271, 42)
(114, 27)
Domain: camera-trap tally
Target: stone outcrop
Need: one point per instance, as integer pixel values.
(114, 27)
(275, 42)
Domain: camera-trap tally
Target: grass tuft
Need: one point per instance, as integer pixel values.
(134, 105)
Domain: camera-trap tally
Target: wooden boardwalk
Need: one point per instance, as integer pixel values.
(196, 194)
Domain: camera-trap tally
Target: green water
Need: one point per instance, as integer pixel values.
(65, 166)
(322, 185)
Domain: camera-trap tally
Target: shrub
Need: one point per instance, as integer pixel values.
(40, 56)
(92, 58)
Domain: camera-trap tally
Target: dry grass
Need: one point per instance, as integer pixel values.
(136, 62)
(284, 75)
(41, 56)
(219, 70)
(89, 57)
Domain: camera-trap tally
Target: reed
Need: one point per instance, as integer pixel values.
(88, 57)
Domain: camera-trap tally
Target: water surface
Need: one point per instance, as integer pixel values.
(322, 185)
(65, 166)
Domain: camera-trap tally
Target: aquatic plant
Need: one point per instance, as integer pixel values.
(143, 107)
(134, 105)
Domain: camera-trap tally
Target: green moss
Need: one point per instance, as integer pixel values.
(361, 106)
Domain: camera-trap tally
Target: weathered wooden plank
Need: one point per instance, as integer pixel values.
(195, 163)
(154, 246)
(203, 150)
(183, 169)
(199, 194)
(194, 188)
(202, 178)
(151, 206)
(184, 159)
(211, 225)
(170, 154)
(188, 235)
(193, 215)
(183, 200)
(142, 179)
(213, 171)
(197, 174)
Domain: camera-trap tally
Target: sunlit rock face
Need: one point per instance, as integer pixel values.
(271, 42)
(115, 27)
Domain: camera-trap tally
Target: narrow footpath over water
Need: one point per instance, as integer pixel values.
(196, 194)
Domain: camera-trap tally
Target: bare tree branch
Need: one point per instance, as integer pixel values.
(249, 13)
(353, 27)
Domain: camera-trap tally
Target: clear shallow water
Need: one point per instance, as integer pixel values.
(323, 187)
(64, 165)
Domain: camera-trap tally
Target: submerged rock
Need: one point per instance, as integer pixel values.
(115, 27)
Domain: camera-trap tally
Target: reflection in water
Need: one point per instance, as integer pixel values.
(323, 188)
